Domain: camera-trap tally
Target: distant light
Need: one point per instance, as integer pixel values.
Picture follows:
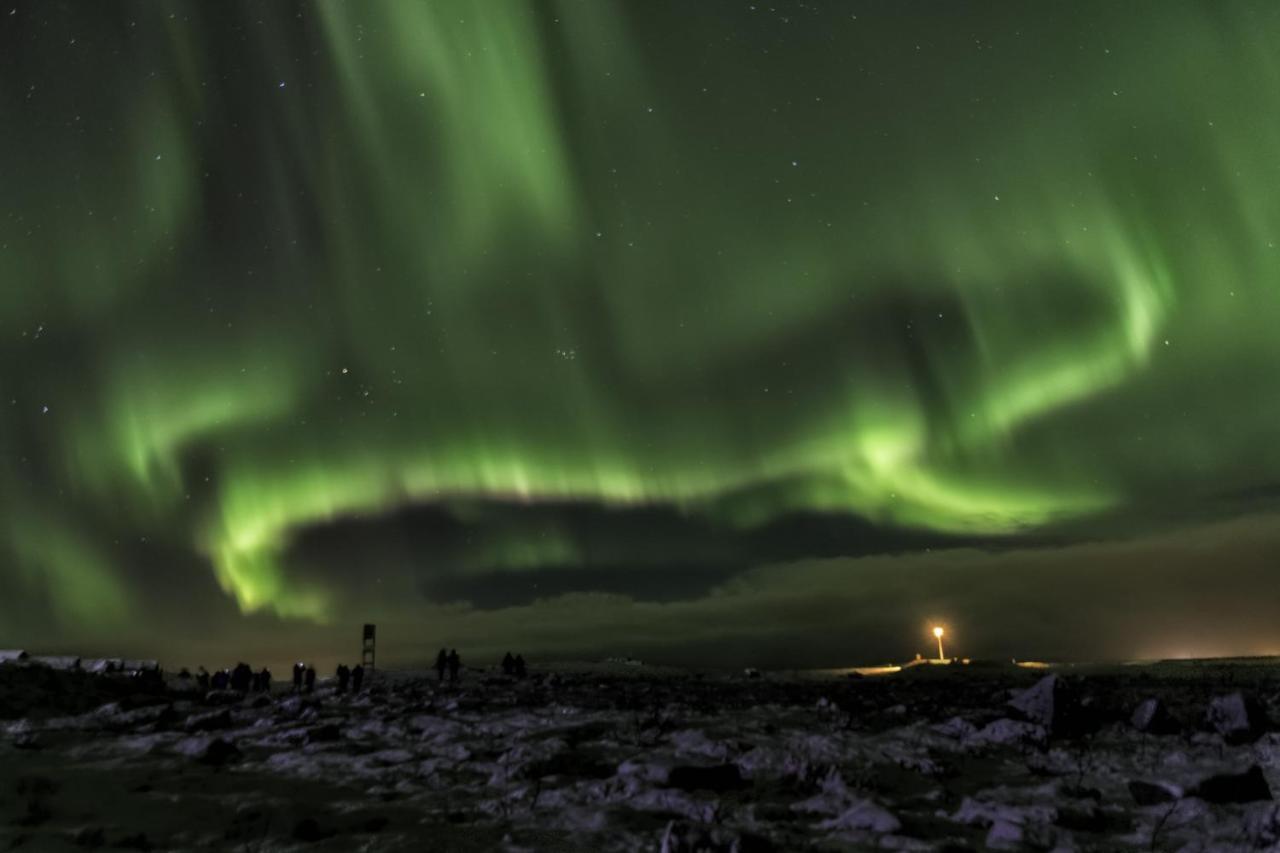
(937, 632)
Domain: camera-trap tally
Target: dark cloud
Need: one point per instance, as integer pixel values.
(493, 554)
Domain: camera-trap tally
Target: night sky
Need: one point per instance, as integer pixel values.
(718, 333)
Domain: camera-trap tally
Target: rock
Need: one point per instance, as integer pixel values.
(1050, 703)
(1152, 793)
(1082, 792)
(866, 816)
(1039, 703)
(974, 812)
(1247, 787)
(1239, 719)
(680, 837)
(1092, 818)
(1262, 825)
(37, 813)
(167, 718)
(1004, 835)
(956, 727)
(91, 837)
(719, 777)
(211, 722)
(293, 706)
(27, 740)
(1151, 716)
(309, 831)
(223, 697)
(571, 763)
(207, 750)
(37, 787)
(653, 773)
(390, 757)
(1006, 732)
(218, 753)
(374, 824)
(58, 662)
(327, 733)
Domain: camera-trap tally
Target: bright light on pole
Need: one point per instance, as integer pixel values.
(937, 632)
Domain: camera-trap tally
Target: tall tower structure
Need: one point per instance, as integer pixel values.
(368, 647)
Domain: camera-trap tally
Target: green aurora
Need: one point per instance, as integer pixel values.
(960, 273)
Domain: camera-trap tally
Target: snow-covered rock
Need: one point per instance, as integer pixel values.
(863, 815)
(1151, 793)
(1247, 787)
(1152, 717)
(1052, 705)
(1006, 732)
(1238, 718)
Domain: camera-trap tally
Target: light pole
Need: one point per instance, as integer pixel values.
(937, 632)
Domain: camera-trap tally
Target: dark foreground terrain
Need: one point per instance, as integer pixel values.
(624, 758)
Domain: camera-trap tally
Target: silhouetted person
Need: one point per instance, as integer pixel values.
(357, 678)
(442, 663)
(344, 677)
(264, 681)
(221, 679)
(454, 662)
(241, 678)
(508, 664)
(298, 670)
(517, 667)
(202, 679)
(310, 678)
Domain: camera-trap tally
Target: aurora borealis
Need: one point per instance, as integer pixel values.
(689, 329)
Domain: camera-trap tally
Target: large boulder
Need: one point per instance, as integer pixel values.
(864, 815)
(309, 831)
(1153, 793)
(1247, 787)
(1152, 717)
(1054, 705)
(683, 837)
(1007, 732)
(213, 751)
(219, 752)
(210, 722)
(719, 778)
(1238, 718)
(327, 733)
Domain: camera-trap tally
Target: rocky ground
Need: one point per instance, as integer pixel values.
(628, 759)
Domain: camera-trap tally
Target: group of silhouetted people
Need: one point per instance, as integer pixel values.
(304, 675)
(242, 679)
(348, 676)
(448, 661)
(513, 666)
